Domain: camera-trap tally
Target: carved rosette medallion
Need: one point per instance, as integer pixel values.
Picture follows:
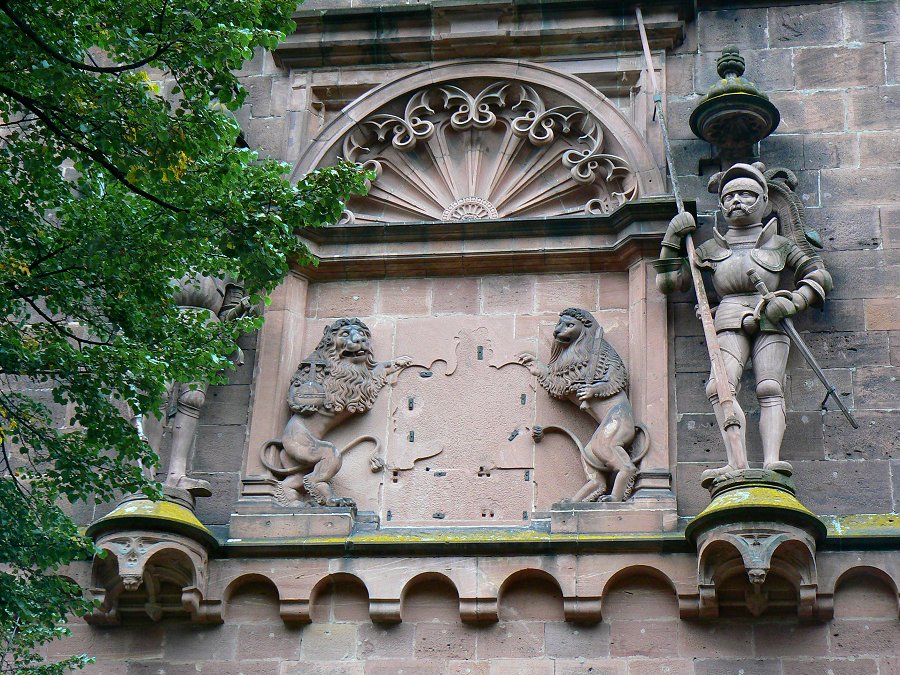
(479, 150)
(469, 208)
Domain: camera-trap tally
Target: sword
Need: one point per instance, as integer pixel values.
(787, 325)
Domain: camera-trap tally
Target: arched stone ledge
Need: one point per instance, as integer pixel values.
(584, 580)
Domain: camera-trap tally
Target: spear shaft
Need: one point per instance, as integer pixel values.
(731, 425)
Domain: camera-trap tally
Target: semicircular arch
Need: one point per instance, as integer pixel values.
(487, 138)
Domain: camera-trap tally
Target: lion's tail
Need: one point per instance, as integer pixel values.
(641, 444)
(271, 461)
(376, 462)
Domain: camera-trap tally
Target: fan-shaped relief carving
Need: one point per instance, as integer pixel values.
(476, 151)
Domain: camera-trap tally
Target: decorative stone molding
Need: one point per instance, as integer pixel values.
(755, 530)
(520, 137)
(156, 561)
(480, 149)
(149, 566)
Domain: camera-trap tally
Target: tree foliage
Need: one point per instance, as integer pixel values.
(109, 191)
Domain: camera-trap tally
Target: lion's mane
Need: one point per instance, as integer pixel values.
(347, 385)
(569, 363)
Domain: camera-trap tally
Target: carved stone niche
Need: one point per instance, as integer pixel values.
(756, 550)
(155, 564)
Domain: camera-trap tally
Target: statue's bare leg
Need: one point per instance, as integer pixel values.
(318, 481)
(735, 348)
(608, 445)
(190, 400)
(593, 489)
(625, 473)
(770, 355)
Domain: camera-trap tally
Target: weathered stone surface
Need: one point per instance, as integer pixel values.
(732, 666)
(844, 228)
(879, 148)
(570, 640)
(225, 486)
(844, 350)
(779, 639)
(839, 67)
(745, 28)
(511, 640)
(453, 296)
(873, 109)
(504, 294)
(442, 640)
(643, 638)
(190, 644)
(821, 486)
(329, 641)
(228, 404)
(871, 21)
(345, 298)
(825, 666)
(384, 641)
(824, 151)
(803, 112)
(864, 637)
(782, 149)
(805, 391)
(882, 314)
(805, 25)
(865, 274)
(719, 639)
(877, 387)
(219, 447)
(680, 74)
(264, 641)
(404, 297)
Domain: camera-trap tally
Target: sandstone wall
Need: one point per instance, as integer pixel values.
(641, 634)
(832, 69)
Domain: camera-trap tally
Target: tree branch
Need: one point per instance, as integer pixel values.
(95, 155)
(80, 65)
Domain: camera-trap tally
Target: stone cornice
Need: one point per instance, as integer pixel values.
(574, 243)
(399, 33)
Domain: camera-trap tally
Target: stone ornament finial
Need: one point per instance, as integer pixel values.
(338, 380)
(586, 370)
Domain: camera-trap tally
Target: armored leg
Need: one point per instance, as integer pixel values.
(735, 348)
(770, 354)
(184, 428)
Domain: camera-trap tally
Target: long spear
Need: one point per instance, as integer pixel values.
(731, 425)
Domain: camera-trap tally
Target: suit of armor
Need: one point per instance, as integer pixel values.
(746, 325)
(216, 300)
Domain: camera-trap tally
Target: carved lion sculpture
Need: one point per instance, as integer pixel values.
(586, 370)
(339, 379)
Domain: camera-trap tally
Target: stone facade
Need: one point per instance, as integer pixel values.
(460, 558)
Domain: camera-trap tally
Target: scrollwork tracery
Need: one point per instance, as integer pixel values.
(501, 152)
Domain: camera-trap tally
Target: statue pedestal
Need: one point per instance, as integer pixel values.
(150, 547)
(655, 514)
(756, 526)
(264, 519)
